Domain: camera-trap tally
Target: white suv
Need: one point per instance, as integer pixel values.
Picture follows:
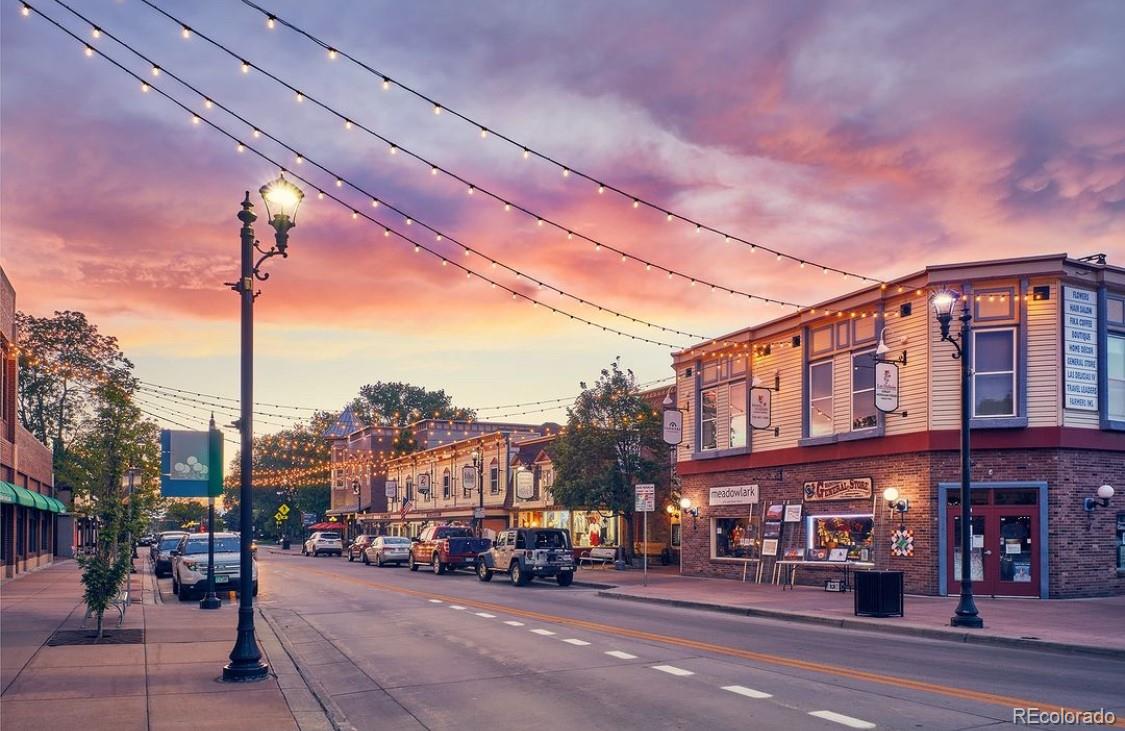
(324, 541)
(189, 565)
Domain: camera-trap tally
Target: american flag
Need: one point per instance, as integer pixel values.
(404, 510)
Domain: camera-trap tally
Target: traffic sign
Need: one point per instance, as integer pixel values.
(284, 509)
(646, 498)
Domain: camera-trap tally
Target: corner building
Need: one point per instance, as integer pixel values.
(804, 496)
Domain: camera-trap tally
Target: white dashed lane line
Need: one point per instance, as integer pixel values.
(544, 632)
(486, 615)
(842, 719)
(435, 601)
(580, 643)
(455, 606)
(620, 655)
(672, 670)
(748, 692)
(513, 623)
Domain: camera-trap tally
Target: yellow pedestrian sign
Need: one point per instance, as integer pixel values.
(284, 509)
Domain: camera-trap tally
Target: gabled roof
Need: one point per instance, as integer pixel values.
(345, 425)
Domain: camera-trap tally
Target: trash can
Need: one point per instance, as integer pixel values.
(878, 593)
(285, 543)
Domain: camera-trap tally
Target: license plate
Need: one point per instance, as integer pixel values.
(221, 579)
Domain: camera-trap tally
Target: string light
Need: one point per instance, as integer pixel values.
(25, 10)
(207, 103)
(185, 32)
(96, 32)
(245, 66)
(271, 21)
(89, 51)
(332, 54)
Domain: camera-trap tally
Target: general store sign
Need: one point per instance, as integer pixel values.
(1080, 348)
(853, 489)
(733, 495)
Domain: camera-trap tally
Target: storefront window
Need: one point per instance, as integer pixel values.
(1115, 365)
(557, 519)
(852, 532)
(531, 519)
(994, 373)
(732, 538)
(1121, 543)
(593, 529)
(863, 391)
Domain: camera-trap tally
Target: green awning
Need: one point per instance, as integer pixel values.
(16, 495)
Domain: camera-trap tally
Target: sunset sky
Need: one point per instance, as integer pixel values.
(873, 137)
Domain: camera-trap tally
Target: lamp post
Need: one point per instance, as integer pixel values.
(478, 465)
(130, 476)
(281, 199)
(944, 303)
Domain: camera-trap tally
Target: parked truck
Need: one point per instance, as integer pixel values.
(446, 548)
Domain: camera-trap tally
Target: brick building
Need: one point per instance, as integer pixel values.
(792, 479)
(29, 508)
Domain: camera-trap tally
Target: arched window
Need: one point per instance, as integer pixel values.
(446, 487)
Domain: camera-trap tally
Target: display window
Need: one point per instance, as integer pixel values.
(733, 538)
(593, 529)
(557, 519)
(852, 532)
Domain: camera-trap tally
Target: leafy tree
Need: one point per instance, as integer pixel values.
(180, 513)
(610, 444)
(401, 404)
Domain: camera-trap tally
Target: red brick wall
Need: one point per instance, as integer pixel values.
(34, 459)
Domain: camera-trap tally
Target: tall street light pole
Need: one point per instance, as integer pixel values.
(944, 303)
(478, 465)
(281, 199)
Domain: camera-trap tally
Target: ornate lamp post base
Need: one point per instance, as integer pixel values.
(245, 673)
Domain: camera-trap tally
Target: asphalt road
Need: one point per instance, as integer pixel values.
(402, 650)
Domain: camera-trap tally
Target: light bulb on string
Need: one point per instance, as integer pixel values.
(386, 84)
(245, 66)
(89, 51)
(156, 71)
(601, 188)
(332, 54)
(483, 133)
(144, 87)
(526, 153)
(347, 124)
(185, 32)
(207, 103)
(96, 32)
(437, 109)
(271, 21)
(300, 97)
(257, 133)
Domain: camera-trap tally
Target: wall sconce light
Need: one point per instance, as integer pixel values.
(895, 503)
(687, 509)
(1040, 293)
(1105, 492)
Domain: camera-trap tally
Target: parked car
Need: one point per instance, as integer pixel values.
(162, 552)
(189, 567)
(387, 549)
(323, 541)
(146, 540)
(446, 548)
(356, 548)
(527, 553)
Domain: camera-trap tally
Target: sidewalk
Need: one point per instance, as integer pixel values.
(169, 681)
(1069, 625)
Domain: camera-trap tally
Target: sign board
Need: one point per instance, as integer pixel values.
(673, 426)
(284, 509)
(390, 489)
(308, 519)
(469, 478)
(886, 387)
(646, 498)
(355, 487)
(191, 463)
(424, 483)
(761, 408)
(733, 495)
(853, 489)
(1080, 348)
(525, 484)
(478, 513)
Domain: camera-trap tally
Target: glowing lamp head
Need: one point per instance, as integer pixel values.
(890, 494)
(670, 509)
(282, 198)
(685, 503)
(1105, 492)
(943, 303)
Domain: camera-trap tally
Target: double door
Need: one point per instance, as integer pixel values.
(1004, 559)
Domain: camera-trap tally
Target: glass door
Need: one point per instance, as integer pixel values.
(1017, 555)
(979, 557)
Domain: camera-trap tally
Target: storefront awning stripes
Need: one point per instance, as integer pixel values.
(16, 495)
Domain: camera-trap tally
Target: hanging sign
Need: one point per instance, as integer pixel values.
(469, 478)
(525, 484)
(645, 498)
(391, 489)
(886, 387)
(853, 489)
(761, 408)
(673, 426)
(191, 463)
(424, 483)
(733, 495)
(1080, 348)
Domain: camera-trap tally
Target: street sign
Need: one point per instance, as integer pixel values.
(673, 426)
(469, 478)
(284, 509)
(391, 490)
(761, 408)
(646, 498)
(525, 484)
(279, 517)
(478, 513)
(308, 519)
(886, 387)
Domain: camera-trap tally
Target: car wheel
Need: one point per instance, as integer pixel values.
(410, 562)
(565, 578)
(316, 553)
(482, 572)
(184, 594)
(437, 565)
(364, 559)
(351, 557)
(379, 560)
(519, 576)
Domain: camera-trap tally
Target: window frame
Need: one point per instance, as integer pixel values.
(851, 402)
(494, 477)
(446, 485)
(751, 527)
(1107, 329)
(831, 397)
(1013, 330)
(714, 419)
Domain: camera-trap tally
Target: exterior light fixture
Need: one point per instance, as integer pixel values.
(1090, 504)
(895, 502)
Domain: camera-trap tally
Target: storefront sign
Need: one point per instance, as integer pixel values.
(645, 498)
(525, 484)
(854, 489)
(469, 478)
(1080, 348)
(391, 489)
(761, 408)
(886, 387)
(673, 426)
(424, 483)
(733, 495)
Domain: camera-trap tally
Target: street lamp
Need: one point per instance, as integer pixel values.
(131, 475)
(944, 303)
(281, 199)
(478, 465)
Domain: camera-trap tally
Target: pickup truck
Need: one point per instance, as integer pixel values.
(446, 548)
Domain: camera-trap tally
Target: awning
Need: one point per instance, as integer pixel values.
(325, 526)
(16, 495)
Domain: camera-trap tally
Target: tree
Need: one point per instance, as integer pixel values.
(612, 437)
(400, 404)
(63, 360)
(181, 513)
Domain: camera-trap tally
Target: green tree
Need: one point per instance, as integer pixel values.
(181, 513)
(401, 404)
(610, 443)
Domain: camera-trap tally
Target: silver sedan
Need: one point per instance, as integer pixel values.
(387, 549)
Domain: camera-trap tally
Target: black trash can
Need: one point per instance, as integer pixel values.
(285, 543)
(878, 593)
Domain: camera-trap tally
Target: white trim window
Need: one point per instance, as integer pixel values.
(994, 373)
(820, 399)
(736, 406)
(864, 415)
(1115, 366)
(709, 419)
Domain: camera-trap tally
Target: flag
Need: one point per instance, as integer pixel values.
(404, 510)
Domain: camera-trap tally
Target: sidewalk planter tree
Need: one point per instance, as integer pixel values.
(611, 438)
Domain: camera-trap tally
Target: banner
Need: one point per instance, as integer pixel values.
(673, 426)
(761, 408)
(886, 387)
(191, 463)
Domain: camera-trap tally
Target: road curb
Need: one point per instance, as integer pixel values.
(854, 624)
(332, 712)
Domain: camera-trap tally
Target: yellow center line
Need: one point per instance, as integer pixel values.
(814, 667)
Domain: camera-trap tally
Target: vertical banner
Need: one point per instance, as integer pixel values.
(673, 427)
(1080, 348)
(191, 463)
(761, 408)
(886, 387)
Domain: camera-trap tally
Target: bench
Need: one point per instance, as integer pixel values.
(650, 549)
(603, 555)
